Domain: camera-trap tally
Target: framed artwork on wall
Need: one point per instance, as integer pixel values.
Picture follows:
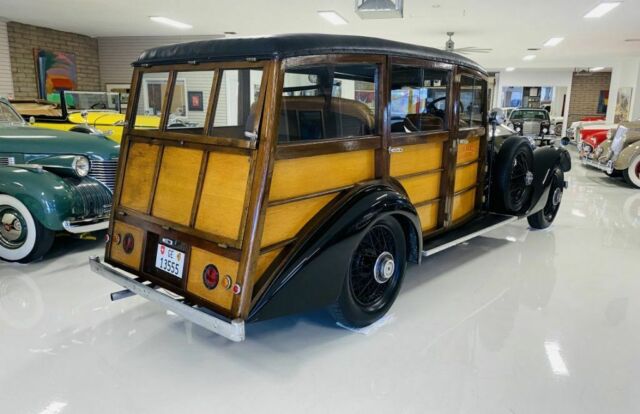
(623, 104)
(124, 89)
(55, 71)
(195, 100)
(603, 102)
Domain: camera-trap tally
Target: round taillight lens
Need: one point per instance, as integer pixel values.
(128, 243)
(210, 276)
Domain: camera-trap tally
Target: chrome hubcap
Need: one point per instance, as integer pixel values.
(384, 267)
(528, 178)
(13, 230)
(557, 197)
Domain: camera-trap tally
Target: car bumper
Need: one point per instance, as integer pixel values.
(232, 330)
(608, 167)
(85, 226)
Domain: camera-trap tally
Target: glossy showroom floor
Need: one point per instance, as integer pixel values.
(517, 322)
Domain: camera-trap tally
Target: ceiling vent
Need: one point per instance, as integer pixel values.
(379, 9)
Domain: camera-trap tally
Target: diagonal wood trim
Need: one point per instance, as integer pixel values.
(213, 99)
(308, 196)
(196, 200)
(166, 101)
(156, 174)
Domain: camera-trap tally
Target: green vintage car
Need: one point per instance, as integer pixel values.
(50, 181)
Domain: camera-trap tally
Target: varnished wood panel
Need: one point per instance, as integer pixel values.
(463, 204)
(219, 295)
(466, 176)
(177, 184)
(300, 176)
(264, 261)
(470, 151)
(422, 187)
(221, 207)
(428, 216)
(284, 221)
(118, 254)
(138, 176)
(416, 158)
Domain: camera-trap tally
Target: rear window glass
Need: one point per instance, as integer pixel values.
(323, 102)
(151, 100)
(190, 102)
(237, 102)
(471, 102)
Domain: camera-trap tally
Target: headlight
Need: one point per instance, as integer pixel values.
(81, 166)
(518, 129)
(545, 130)
(586, 148)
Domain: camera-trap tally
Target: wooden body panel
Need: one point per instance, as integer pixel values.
(132, 260)
(198, 261)
(139, 176)
(469, 151)
(416, 158)
(428, 214)
(466, 176)
(264, 261)
(423, 187)
(463, 204)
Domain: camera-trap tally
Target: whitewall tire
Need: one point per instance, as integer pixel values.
(22, 237)
(632, 174)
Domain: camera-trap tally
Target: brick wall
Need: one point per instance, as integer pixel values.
(585, 93)
(23, 38)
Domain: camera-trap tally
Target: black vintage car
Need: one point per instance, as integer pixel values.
(321, 166)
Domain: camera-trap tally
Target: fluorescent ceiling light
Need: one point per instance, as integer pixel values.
(529, 57)
(596, 69)
(510, 69)
(332, 17)
(170, 22)
(554, 41)
(602, 9)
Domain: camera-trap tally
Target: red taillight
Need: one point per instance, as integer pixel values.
(211, 276)
(128, 243)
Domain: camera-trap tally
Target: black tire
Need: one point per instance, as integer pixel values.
(369, 290)
(513, 175)
(543, 218)
(23, 238)
(614, 173)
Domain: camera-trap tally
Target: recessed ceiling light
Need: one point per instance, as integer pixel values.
(533, 49)
(596, 69)
(602, 9)
(170, 22)
(230, 33)
(632, 40)
(510, 69)
(529, 57)
(554, 41)
(332, 17)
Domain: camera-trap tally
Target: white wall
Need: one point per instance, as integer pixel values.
(6, 82)
(117, 53)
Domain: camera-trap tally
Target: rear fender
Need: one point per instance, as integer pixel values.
(627, 155)
(545, 160)
(47, 196)
(312, 273)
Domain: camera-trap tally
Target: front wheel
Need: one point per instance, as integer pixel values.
(543, 218)
(22, 238)
(632, 174)
(374, 276)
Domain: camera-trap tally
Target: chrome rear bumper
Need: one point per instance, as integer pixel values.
(232, 330)
(608, 167)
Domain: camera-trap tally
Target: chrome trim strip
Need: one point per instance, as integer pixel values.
(233, 330)
(79, 227)
(427, 253)
(608, 167)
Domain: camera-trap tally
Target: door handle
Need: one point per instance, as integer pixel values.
(395, 149)
(463, 141)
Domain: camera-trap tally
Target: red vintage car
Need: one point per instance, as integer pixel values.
(591, 137)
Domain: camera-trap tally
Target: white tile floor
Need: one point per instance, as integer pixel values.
(518, 322)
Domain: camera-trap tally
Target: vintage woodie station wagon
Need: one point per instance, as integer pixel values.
(319, 166)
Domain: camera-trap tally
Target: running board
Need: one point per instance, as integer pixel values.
(476, 227)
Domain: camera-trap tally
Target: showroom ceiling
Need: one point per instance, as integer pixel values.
(508, 27)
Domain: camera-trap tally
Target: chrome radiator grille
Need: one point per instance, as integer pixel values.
(105, 172)
(93, 200)
(4, 161)
(531, 128)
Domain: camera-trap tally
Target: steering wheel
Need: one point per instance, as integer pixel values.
(99, 105)
(432, 108)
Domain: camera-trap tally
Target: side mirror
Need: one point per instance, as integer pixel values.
(565, 141)
(32, 120)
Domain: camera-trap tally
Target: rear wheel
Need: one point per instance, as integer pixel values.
(543, 218)
(514, 175)
(632, 174)
(22, 238)
(614, 173)
(374, 276)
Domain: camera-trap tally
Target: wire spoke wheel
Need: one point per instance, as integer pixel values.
(519, 179)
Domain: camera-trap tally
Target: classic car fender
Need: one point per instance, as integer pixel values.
(47, 196)
(312, 274)
(545, 159)
(627, 155)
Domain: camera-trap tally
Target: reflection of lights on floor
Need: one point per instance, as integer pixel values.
(578, 213)
(558, 365)
(511, 239)
(55, 407)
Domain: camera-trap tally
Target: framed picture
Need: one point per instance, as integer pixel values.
(603, 102)
(195, 100)
(124, 89)
(55, 72)
(623, 104)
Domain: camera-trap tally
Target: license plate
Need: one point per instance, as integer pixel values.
(170, 260)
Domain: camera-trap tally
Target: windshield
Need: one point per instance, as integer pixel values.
(92, 101)
(533, 115)
(8, 116)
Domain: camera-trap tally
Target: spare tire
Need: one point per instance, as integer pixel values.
(513, 175)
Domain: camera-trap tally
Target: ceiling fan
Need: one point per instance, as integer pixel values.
(450, 46)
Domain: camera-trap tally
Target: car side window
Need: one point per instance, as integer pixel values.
(418, 99)
(471, 102)
(328, 101)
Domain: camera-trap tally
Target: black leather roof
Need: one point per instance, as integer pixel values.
(290, 45)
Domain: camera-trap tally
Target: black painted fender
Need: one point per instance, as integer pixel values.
(545, 160)
(312, 273)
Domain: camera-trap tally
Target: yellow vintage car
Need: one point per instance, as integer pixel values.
(86, 112)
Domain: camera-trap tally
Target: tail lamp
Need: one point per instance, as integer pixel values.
(211, 276)
(128, 243)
